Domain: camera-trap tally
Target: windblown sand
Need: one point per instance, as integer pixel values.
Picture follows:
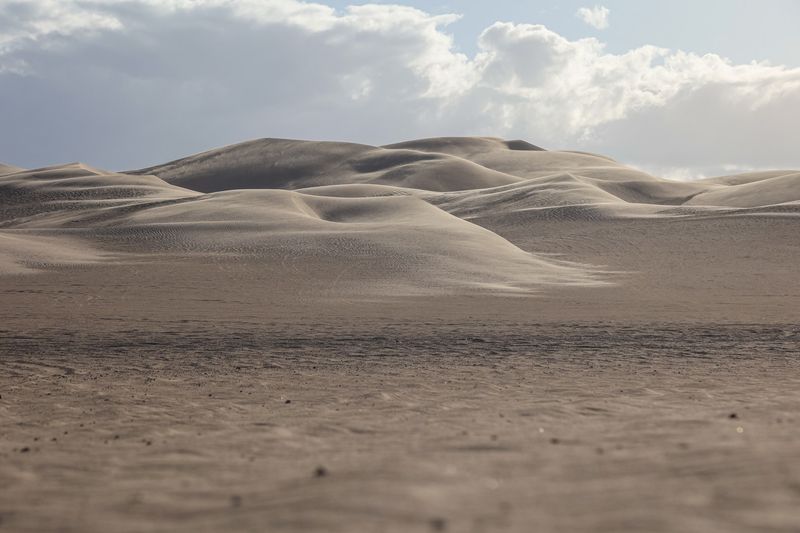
(461, 334)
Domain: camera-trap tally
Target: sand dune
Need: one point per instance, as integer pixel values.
(288, 164)
(25, 252)
(746, 177)
(765, 191)
(7, 169)
(391, 220)
(74, 190)
(455, 164)
(465, 147)
(395, 243)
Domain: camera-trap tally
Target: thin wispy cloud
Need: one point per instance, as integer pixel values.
(596, 17)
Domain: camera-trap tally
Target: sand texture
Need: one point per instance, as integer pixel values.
(460, 334)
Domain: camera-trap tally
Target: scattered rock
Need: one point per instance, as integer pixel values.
(320, 471)
(288, 401)
(438, 524)
(554, 441)
(733, 416)
(24, 449)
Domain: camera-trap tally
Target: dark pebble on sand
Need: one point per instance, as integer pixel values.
(288, 401)
(320, 471)
(438, 524)
(24, 450)
(554, 441)
(236, 501)
(733, 415)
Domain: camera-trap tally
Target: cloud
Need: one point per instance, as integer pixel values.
(129, 83)
(596, 17)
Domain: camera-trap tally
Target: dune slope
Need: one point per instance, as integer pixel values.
(367, 244)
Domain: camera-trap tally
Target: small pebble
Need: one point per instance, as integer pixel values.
(438, 524)
(321, 471)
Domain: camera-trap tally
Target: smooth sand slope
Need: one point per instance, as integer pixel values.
(388, 243)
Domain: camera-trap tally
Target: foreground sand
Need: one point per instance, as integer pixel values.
(448, 334)
(403, 427)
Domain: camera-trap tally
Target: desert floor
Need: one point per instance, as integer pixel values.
(526, 349)
(460, 414)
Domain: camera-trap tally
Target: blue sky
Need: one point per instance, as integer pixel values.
(682, 89)
(742, 30)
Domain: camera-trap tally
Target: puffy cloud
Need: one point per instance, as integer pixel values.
(596, 17)
(135, 82)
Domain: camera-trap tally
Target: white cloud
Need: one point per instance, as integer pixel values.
(130, 83)
(596, 17)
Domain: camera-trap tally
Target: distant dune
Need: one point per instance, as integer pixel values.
(443, 214)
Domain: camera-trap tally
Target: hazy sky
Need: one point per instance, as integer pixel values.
(681, 88)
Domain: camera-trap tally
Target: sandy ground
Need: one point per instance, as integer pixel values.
(408, 427)
(445, 335)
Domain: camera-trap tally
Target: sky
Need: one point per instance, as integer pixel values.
(683, 89)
